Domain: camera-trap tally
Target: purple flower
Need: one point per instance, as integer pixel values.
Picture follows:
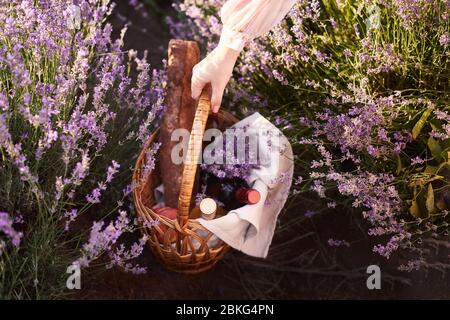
(70, 215)
(150, 160)
(413, 265)
(310, 213)
(81, 169)
(103, 238)
(417, 160)
(120, 256)
(338, 243)
(69, 105)
(347, 53)
(112, 170)
(6, 227)
(444, 39)
(355, 122)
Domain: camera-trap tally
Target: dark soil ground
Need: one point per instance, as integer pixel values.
(300, 264)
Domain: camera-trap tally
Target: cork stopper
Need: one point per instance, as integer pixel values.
(253, 196)
(248, 196)
(208, 207)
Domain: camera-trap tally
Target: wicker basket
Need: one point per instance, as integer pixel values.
(190, 252)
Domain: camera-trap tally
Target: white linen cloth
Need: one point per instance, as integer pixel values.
(159, 197)
(250, 228)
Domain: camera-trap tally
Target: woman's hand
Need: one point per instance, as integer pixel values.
(216, 69)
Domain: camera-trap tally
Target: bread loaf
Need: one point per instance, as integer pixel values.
(180, 110)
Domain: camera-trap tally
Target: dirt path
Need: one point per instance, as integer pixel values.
(300, 266)
(145, 31)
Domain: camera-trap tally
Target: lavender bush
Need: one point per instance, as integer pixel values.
(361, 89)
(74, 111)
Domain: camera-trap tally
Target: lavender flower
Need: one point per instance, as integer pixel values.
(351, 96)
(444, 39)
(338, 243)
(6, 227)
(70, 109)
(102, 239)
(310, 213)
(70, 215)
(120, 256)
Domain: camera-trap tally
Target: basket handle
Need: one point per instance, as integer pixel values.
(193, 153)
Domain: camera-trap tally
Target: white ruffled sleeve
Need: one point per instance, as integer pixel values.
(245, 20)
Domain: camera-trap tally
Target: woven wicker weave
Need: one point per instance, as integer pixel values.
(178, 243)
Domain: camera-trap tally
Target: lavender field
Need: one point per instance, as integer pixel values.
(359, 87)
